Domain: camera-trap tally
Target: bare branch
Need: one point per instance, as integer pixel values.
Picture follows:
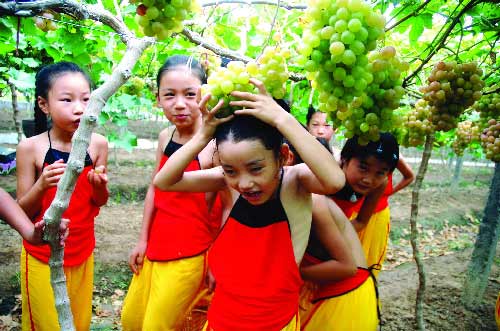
(271, 29)
(79, 11)
(254, 2)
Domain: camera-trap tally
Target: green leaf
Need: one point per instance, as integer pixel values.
(427, 20)
(416, 29)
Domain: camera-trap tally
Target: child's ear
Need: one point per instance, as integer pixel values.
(43, 104)
(286, 156)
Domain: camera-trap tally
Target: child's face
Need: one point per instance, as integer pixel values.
(250, 169)
(364, 175)
(66, 100)
(177, 97)
(319, 127)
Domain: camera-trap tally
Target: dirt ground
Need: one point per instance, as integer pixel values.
(449, 222)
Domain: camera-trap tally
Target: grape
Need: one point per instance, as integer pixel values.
(467, 132)
(488, 107)
(134, 86)
(168, 13)
(418, 124)
(46, 23)
(336, 39)
(490, 140)
(270, 69)
(452, 88)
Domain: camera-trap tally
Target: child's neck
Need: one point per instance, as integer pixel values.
(61, 138)
(184, 134)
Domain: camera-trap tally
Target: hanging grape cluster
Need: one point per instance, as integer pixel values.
(490, 140)
(467, 133)
(452, 88)
(488, 107)
(47, 23)
(270, 69)
(134, 86)
(418, 123)
(161, 18)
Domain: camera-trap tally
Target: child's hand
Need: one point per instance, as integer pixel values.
(51, 174)
(210, 122)
(36, 237)
(136, 257)
(98, 177)
(259, 105)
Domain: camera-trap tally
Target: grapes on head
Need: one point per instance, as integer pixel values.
(161, 18)
(452, 88)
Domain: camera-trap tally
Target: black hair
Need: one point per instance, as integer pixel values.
(296, 155)
(179, 61)
(386, 149)
(243, 127)
(310, 112)
(44, 80)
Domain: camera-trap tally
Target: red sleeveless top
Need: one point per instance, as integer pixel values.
(383, 202)
(180, 227)
(257, 278)
(81, 212)
(349, 201)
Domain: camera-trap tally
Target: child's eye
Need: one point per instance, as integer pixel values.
(256, 169)
(66, 100)
(229, 172)
(191, 94)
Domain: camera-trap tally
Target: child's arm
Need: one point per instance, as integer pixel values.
(368, 207)
(136, 257)
(97, 176)
(30, 190)
(15, 217)
(171, 177)
(408, 175)
(342, 264)
(321, 173)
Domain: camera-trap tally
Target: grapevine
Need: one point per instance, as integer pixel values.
(161, 18)
(418, 124)
(490, 140)
(134, 86)
(488, 107)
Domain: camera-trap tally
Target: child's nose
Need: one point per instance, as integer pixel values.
(245, 183)
(79, 108)
(180, 102)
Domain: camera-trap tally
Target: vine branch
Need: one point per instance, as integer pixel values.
(413, 13)
(441, 40)
(253, 2)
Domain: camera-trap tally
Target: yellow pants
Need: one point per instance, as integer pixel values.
(38, 307)
(355, 310)
(497, 311)
(293, 325)
(374, 238)
(161, 295)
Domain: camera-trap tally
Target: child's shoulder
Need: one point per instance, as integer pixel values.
(99, 140)
(33, 143)
(166, 133)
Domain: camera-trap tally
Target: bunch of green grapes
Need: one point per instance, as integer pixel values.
(452, 88)
(418, 123)
(161, 18)
(223, 81)
(335, 41)
(271, 70)
(467, 133)
(134, 86)
(490, 140)
(372, 112)
(47, 24)
(488, 107)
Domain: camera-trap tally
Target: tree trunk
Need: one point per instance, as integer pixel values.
(15, 111)
(484, 249)
(458, 171)
(419, 304)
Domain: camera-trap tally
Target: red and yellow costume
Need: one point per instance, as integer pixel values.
(38, 306)
(174, 268)
(257, 278)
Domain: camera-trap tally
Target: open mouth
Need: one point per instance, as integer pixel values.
(252, 196)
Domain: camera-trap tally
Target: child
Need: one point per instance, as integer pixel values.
(341, 299)
(169, 261)
(62, 91)
(317, 124)
(15, 217)
(255, 258)
(375, 235)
